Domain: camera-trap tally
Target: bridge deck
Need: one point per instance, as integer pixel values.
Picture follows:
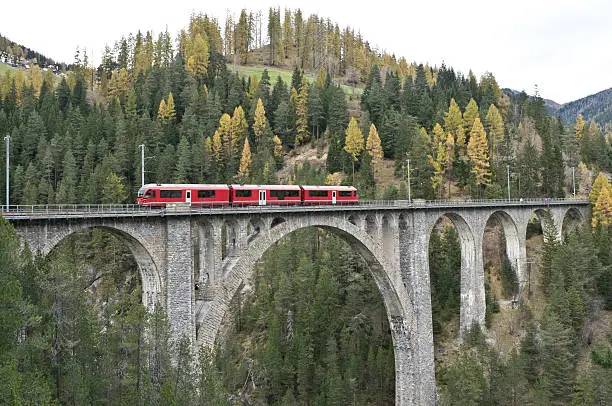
(31, 212)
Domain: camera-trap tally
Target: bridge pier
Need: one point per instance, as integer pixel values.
(180, 302)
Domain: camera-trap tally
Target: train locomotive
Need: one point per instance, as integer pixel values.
(205, 195)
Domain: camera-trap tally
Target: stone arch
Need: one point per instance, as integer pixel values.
(547, 222)
(354, 219)
(472, 300)
(399, 312)
(205, 271)
(388, 234)
(230, 234)
(276, 221)
(254, 227)
(515, 245)
(572, 220)
(370, 225)
(152, 283)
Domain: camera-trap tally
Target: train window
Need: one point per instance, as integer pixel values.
(170, 194)
(281, 194)
(244, 193)
(344, 193)
(317, 193)
(150, 194)
(206, 194)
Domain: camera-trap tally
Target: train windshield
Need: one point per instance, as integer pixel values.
(141, 191)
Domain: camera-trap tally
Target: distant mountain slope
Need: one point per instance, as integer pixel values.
(597, 107)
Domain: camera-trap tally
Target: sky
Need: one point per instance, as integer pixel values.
(564, 47)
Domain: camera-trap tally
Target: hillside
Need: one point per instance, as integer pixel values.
(596, 107)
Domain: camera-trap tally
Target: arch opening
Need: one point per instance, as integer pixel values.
(101, 249)
(445, 253)
(503, 259)
(300, 283)
(370, 225)
(572, 221)
(276, 221)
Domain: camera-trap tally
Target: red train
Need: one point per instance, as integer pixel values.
(159, 195)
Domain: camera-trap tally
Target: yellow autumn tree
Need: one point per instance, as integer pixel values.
(478, 154)
(353, 143)
(245, 162)
(217, 148)
(602, 209)
(453, 123)
(239, 126)
(579, 127)
(170, 109)
(278, 147)
(259, 120)
(438, 158)
(161, 111)
(469, 115)
(496, 129)
(600, 181)
(225, 135)
(374, 148)
(197, 55)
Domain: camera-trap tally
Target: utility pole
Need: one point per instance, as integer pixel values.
(508, 176)
(142, 159)
(8, 143)
(573, 181)
(408, 164)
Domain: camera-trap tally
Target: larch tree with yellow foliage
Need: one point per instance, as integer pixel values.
(245, 162)
(259, 121)
(453, 123)
(469, 115)
(496, 130)
(374, 147)
(602, 206)
(478, 154)
(354, 142)
(197, 55)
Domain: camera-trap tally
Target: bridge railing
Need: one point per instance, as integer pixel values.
(134, 209)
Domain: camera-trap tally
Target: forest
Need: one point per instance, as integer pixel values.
(75, 330)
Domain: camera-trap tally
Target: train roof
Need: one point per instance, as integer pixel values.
(269, 187)
(329, 188)
(186, 185)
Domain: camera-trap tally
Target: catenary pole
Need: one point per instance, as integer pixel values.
(142, 158)
(8, 143)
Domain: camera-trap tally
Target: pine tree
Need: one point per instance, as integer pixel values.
(245, 162)
(354, 142)
(302, 135)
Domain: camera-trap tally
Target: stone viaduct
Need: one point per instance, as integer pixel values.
(193, 261)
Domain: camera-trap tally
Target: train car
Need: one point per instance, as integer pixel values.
(265, 195)
(329, 195)
(160, 195)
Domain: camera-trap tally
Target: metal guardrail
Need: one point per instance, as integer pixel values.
(123, 210)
